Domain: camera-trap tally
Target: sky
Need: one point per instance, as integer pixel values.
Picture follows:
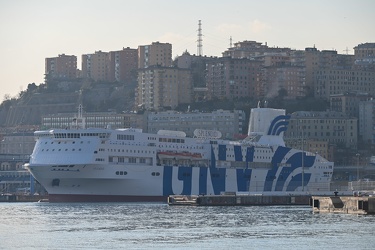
(32, 30)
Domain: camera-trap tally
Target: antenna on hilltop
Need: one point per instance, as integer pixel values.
(199, 46)
(230, 42)
(346, 50)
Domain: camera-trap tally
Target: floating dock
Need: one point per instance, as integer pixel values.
(343, 204)
(237, 200)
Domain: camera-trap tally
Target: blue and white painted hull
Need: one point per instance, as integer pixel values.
(128, 165)
(145, 183)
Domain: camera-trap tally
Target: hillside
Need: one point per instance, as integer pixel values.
(63, 97)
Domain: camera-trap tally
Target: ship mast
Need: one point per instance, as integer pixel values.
(79, 121)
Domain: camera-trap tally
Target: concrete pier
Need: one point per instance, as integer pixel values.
(343, 204)
(237, 200)
(22, 198)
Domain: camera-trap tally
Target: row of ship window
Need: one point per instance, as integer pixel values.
(245, 149)
(130, 151)
(125, 137)
(78, 135)
(73, 149)
(255, 157)
(171, 140)
(73, 142)
(182, 147)
(125, 173)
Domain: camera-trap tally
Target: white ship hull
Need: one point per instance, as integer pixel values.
(127, 165)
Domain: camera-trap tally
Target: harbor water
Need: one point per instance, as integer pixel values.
(159, 226)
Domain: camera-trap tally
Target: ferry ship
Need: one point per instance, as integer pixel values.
(81, 164)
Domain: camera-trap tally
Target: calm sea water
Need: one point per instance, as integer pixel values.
(158, 226)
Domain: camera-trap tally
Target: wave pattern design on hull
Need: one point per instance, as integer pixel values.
(277, 178)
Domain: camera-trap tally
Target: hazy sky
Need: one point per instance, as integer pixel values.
(31, 30)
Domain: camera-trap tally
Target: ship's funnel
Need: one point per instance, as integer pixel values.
(266, 126)
(267, 121)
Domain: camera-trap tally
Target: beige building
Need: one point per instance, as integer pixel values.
(155, 54)
(275, 59)
(332, 81)
(63, 67)
(163, 87)
(316, 60)
(250, 49)
(17, 143)
(364, 50)
(332, 127)
(232, 78)
(348, 102)
(123, 65)
(290, 78)
(96, 66)
(367, 121)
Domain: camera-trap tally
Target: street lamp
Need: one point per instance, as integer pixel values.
(357, 165)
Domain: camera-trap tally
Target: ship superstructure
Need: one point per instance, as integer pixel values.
(82, 164)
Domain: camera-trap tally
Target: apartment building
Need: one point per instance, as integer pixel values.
(316, 60)
(290, 78)
(333, 81)
(332, 127)
(96, 66)
(123, 65)
(348, 102)
(367, 121)
(21, 143)
(61, 67)
(163, 87)
(250, 49)
(275, 59)
(364, 50)
(155, 54)
(230, 78)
